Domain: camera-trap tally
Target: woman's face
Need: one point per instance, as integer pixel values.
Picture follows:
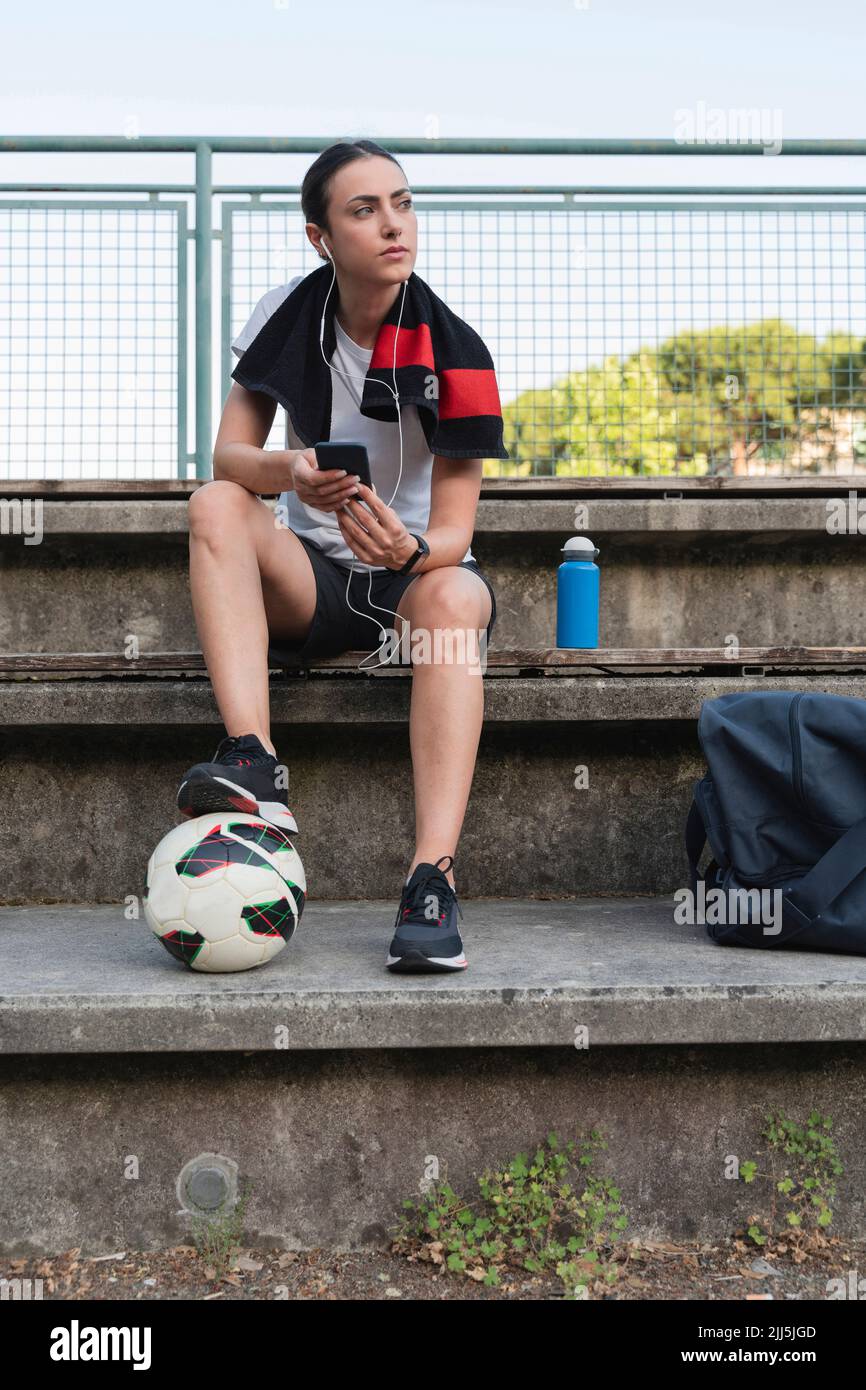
(370, 210)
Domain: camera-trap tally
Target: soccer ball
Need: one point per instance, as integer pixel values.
(224, 891)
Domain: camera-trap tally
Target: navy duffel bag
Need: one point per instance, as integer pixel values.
(783, 807)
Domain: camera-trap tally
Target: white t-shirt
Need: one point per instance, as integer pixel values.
(382, 439)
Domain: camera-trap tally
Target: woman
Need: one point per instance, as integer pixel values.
(320, 346)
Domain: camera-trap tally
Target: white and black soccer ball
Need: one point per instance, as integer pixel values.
(224, 891)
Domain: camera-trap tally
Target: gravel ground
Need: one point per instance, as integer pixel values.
(647, 1270)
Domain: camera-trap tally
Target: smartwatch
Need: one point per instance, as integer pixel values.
(423, 549)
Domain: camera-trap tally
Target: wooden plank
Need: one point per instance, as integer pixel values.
(100, 490)
(177, 489)
(556, 658)
(600, 486)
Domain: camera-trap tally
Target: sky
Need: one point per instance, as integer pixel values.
(478, 67)
(452, 69)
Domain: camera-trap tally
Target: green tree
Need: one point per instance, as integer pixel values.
(708, 401)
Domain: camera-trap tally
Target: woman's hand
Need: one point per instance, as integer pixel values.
(324, 488)
(377, 539)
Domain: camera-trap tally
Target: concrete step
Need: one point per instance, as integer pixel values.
(675, 572)
(620, 966)
(91, 769)
(572, 1015)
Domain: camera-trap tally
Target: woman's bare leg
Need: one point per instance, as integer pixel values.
(249, 580)
(447, 709)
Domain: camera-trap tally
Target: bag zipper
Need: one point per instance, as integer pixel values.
(796, 750)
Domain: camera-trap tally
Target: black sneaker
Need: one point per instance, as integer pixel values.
(241, 777)
(426, 936)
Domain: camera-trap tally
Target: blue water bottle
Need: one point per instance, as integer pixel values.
(577, 594)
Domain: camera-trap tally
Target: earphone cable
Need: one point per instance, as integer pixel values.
(395, 393)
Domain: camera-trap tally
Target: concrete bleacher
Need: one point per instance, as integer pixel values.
(566, 892)
(110, 1050)
(762, 566)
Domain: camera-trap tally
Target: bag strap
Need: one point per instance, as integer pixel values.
(696, 838)
(803, 902)
(813, 894)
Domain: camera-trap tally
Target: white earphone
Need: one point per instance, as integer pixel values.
(395, 393)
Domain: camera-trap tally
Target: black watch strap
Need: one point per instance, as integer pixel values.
(423, 549)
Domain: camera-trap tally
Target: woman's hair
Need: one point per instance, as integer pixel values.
(316, 188)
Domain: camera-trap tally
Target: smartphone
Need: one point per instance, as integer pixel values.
(343, 453)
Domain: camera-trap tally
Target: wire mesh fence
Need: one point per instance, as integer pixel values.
(638, 340)
(632, 335)
(92, 339)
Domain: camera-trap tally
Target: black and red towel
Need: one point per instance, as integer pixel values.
(443, 367)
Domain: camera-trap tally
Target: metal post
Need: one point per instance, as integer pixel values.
(203, 329)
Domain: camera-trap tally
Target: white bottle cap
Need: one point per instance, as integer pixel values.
(579, 548)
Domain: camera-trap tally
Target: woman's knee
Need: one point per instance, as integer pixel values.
(217, 503)
(449, 596)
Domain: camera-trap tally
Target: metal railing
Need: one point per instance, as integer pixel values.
(636, 329)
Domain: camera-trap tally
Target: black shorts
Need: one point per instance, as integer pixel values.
(335, 628)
